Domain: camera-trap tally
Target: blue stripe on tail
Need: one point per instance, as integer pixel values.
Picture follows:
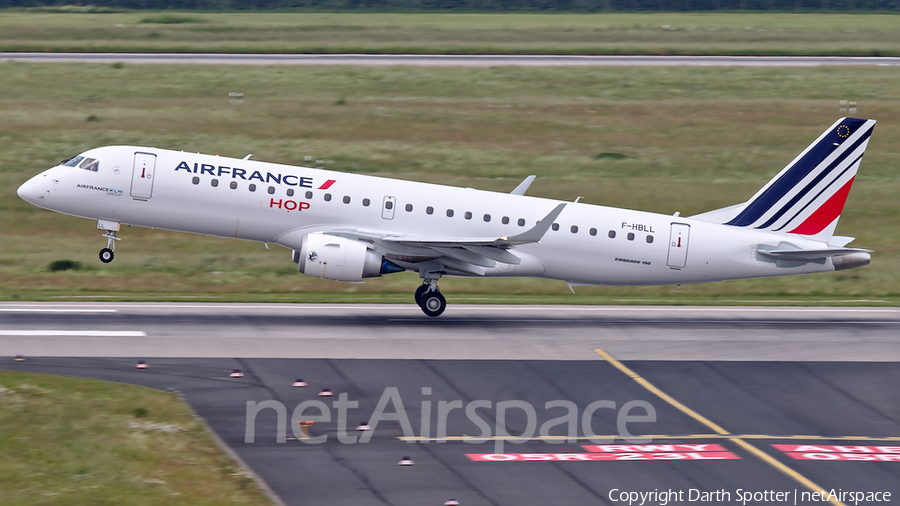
(840, 159)
(802, 168)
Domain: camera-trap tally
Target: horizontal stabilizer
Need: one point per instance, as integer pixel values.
(809, 255)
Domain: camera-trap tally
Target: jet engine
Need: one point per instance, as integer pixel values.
(331, 257)
(851, 261)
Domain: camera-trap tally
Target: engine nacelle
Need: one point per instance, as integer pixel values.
(851, 261)
(330, 257)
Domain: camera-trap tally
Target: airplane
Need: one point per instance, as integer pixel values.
(348, 227)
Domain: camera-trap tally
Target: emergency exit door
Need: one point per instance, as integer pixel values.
(387, 209)
(678, 245)
(143, 175)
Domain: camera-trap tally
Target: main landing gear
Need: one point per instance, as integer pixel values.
(108, 253)
(429, 298)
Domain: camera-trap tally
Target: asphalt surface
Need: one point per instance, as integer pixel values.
(758, 403)
(450, 60)
(401, 331)
(725, 385)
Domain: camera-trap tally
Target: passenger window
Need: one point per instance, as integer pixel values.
(521, 222)
(195, 180)
(215, 182)
(574, 229)
(308, 195)
(593, 231)
(630, 236)
(429, 210)
(555, 227)
(649, 239)
(252, 187)
(290, 192)
(366, 202)
(233, 185)
(612, 234)
(449, 213)
(72, 162)
(409, 208)
(271, 190)
(487, 217)
(468, 215)
(328, 198)
(346, 199)
(505, 220)
(389, 204)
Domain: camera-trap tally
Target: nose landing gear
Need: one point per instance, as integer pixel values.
(107, 255)
(429, 298)
(111, 227)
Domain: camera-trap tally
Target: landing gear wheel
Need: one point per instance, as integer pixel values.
(420, 292)
(433, 303)
(106, 255)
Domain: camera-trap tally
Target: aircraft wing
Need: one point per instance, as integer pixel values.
(464, 254)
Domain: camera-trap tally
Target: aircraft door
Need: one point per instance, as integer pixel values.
(387, 209)
(678, 245)
(143, 175)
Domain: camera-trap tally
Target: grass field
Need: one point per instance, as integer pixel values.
(617, 33)
(694, 139)
(71, 441)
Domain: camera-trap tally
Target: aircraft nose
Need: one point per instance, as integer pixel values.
(27, 191)
(31, 190)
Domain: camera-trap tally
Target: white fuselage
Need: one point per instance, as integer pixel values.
(212, 195)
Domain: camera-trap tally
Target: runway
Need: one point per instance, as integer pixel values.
(842, 417)
(464, 332)
(744, 400)
(448, 60)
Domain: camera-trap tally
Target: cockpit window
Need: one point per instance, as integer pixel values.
(90, 164)
(72, 162)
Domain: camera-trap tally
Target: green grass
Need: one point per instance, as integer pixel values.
(71, 441)
(694, 139)
(292, 32)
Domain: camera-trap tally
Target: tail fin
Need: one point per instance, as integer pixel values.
(807, 197)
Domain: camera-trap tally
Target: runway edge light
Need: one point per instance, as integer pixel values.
(406, 461)
(326, 392)
(451, 502)
(299, 383)
(141, 364)
(19, 358)
(363, 426)
(236, 374)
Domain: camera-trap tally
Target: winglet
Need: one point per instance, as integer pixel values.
(523, 186)
(537, 232)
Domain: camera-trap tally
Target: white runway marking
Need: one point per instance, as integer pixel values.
(48, 310)
(342, 308)
(75, 333)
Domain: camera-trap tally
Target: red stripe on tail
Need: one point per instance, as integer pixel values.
(824, 215)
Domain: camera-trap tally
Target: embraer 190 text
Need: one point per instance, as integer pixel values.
(347, 227)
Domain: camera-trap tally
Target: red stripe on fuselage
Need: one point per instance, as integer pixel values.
(327, 184)
(824, 215)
